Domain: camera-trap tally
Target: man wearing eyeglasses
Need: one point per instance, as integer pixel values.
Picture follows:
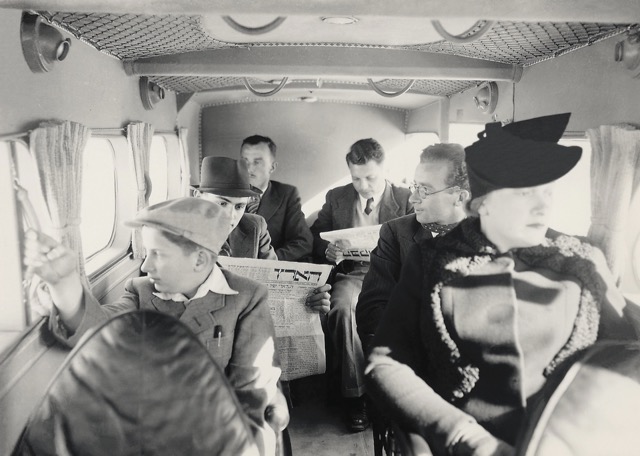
(439, 195)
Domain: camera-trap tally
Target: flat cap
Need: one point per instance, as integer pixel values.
(203, 222)
(519, 154)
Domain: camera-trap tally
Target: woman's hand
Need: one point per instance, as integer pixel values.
(474, 440)
(320, 300)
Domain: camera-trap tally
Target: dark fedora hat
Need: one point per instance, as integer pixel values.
(521, 154)
(225, 176)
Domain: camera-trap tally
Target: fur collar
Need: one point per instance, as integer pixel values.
(463, 250)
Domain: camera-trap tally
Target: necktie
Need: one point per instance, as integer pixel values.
(253, 204)
(367, 210)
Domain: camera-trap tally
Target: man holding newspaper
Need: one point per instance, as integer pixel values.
(367, 202)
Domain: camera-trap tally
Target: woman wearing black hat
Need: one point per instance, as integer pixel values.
(483, 316)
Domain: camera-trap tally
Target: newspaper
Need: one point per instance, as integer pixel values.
(360, 241)
(299, 335)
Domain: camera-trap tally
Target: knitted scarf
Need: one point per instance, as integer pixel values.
(461, 252)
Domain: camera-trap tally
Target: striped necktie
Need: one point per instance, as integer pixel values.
(367, 210)
(253, 204)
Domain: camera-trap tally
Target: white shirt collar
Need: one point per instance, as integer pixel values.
(215, 283)
(376, 199)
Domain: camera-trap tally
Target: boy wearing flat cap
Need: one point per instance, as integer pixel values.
(227, 312)
(482, 316)
(225, 181)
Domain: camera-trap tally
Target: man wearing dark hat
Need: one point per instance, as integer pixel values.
(483, 316)
(229, 313)
(279, 203)
(225, 181)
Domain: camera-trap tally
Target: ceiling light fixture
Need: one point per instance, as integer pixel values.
(339, 20)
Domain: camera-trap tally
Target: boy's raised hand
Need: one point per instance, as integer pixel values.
(55, 264)
(47, 258)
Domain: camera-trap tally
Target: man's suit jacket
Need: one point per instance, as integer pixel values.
(290, 236)
(250, 239)
(337, 211)
(396, 239)
(246, 332)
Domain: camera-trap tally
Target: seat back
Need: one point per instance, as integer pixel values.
(141, 383)
(593, 410)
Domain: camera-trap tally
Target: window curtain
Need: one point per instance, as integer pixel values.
(615, 177)
(139, 136)
(185, 174)
(58, 146)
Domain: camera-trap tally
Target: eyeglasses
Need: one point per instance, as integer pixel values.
(423, 192)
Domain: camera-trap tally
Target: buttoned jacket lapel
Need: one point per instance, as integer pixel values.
(242, 241)
(270, 202)
(345, 205)
(200, 313)
(389, 207)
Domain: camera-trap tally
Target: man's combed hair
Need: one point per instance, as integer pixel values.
(452, 153)
(257, 139)
(364, 150)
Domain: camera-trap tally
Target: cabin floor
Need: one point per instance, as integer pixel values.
(318, 426)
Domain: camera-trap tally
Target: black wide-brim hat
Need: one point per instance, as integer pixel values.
(226, 177)
(520, 154)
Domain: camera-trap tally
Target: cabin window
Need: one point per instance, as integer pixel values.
(464, 134)
(403, 159)
(166, 168)
(158, 169)
(572, 209)
(13, 312)
(109, 198)
(98, 212)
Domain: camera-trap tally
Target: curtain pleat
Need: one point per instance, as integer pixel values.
(615, 176)
(139, 136)
(185, 173)
(58, 148)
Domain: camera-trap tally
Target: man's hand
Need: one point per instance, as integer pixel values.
(334, 251)
(319, 299)
(47, 258)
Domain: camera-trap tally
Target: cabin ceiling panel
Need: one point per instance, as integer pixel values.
(173, 51)
(187, 84)
(518, 10)
(129, 36)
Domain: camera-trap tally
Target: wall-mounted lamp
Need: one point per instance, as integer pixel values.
(628, 52)
(42, 44)
(486, 99)
(150, 93)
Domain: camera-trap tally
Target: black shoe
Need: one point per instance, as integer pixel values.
(357, 418)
